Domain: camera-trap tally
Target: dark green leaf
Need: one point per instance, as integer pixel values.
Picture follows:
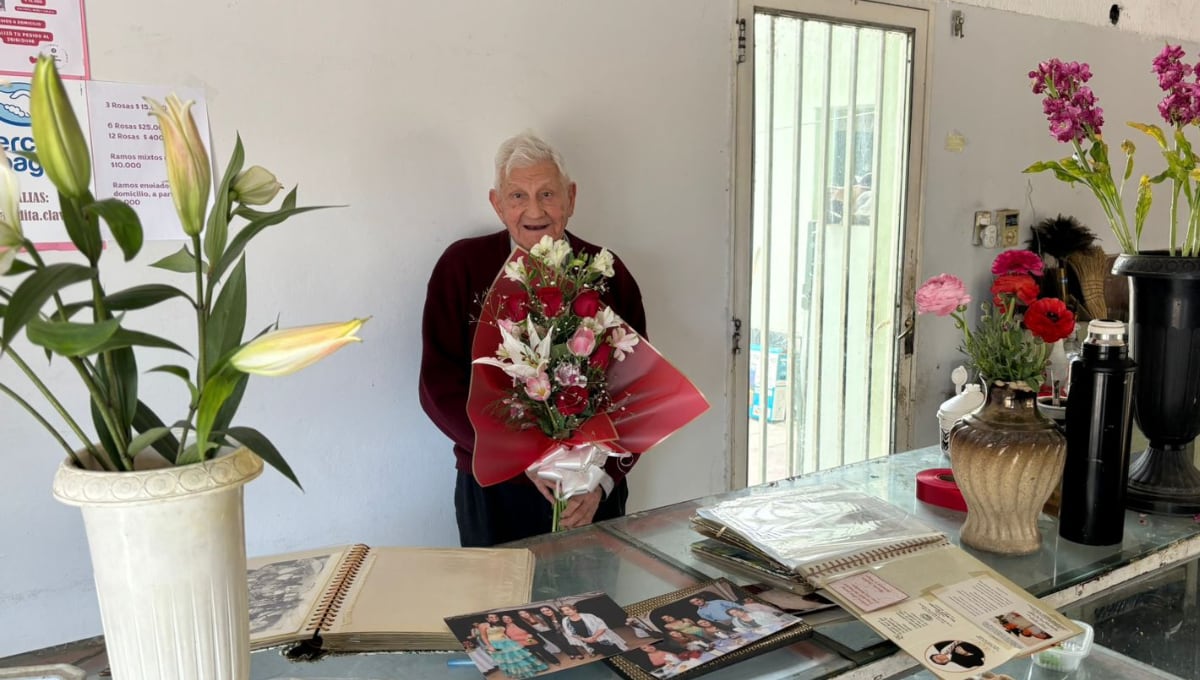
(140, 297)
(34, 291)
(227, 321)
(242, 239)
(84, 229)
(20, 267)
(212, 396)
(181, 261)
(106, 440)
(144, 420)
(289, 201)
(123, 224)
(230, 407)
(28, 155)
(259, 444)
(248, 213)
(127, 338)
(181, 373)
(124, 374)
(71, 339)
(217, 232)
(147, 438)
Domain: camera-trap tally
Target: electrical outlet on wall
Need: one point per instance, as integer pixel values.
(983, 232)
(1009, 224)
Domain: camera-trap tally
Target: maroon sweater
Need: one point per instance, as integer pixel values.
(457, 287)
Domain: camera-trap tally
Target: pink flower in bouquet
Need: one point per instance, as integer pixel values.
(586, 304)
(583, 342)
(516, 306)
(942, 295)
(571, 401)
(551, 299)
(1017, 262)
(538, 387)
(569, 375)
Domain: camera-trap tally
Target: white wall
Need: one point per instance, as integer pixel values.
(981, 90)
(396, 109)
(1172, 19)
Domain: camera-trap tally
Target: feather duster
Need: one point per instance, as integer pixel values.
(1059, 237)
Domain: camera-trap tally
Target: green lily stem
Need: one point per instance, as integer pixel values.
(120, 434)
(201, 316)
(58, 407)
(49, 428)
(1174, 219)
(560, 506)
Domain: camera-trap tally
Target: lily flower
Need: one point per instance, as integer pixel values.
(286, 351)
(61, 148)
(518, 359)
(10, 214)
(188, 170)
(256, 186)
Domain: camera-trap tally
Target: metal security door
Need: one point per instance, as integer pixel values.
(829, 226)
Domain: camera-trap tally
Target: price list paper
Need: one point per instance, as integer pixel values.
(52, 27)
(127, 151)
(40, 217)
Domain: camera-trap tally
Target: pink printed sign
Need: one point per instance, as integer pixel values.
(54, 27)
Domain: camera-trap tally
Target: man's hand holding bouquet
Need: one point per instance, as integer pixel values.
(560, 383)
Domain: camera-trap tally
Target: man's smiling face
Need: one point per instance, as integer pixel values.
(533, 202)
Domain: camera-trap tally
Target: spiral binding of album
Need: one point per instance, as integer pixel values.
(822, 572)
(331, 604)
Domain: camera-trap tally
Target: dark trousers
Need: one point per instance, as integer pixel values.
(513, 510)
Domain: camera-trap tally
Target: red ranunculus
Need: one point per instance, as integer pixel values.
(1021, 285)
(516, 306)
(602, 356)
(586, 304)
(551, 298)
(1017, 262)
(1049, 319)
(571, 401)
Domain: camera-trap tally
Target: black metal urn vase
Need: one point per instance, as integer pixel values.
(1164, 313)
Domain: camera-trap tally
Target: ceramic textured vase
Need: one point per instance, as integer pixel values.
(169, 555)
(1007, 460)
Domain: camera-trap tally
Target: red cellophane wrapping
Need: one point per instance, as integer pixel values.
(652, 399)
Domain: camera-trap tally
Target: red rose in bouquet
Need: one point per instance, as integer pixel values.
(560, 380)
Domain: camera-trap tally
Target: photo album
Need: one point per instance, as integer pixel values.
(358, 598)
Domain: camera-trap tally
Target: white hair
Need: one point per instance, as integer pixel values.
(523, 151)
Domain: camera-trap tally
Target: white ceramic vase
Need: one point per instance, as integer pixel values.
(168, 551)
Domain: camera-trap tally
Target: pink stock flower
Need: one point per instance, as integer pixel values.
(1070, 106)
(583, 342)
(1181, 105)
(1017, 262)
(942, 295)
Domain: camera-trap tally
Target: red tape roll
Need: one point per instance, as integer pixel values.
(937, 487)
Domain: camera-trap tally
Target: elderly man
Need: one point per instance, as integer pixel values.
(534, 197)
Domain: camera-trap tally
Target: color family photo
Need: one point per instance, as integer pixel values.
(547, 636)
(703, 626)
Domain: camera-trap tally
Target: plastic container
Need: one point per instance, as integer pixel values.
(1068, 654)
(967, 398)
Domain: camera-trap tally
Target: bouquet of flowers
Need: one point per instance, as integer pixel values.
(1004, 346)
(1075, 119)
(575, 383)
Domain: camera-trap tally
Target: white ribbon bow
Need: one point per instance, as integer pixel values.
(575, 470)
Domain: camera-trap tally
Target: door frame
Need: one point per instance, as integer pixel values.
(911, 16)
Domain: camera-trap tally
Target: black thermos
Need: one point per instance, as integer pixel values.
(1099, 424)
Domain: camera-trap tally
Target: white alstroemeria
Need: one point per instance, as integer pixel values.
(623, 341)
(10, 213)
(603, 263)
(605, 319)
(550, 252)
(568, 375)
(515, 270)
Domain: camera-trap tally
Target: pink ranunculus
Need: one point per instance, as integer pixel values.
(942, 294)
(583, 342)
(1017, 262)
(538, 387)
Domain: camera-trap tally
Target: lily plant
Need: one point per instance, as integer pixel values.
(64, 309)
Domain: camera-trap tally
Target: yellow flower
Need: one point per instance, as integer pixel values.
(188, 171)
(256, 186)
(10, 214)
(286, 351)
(61, 148)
